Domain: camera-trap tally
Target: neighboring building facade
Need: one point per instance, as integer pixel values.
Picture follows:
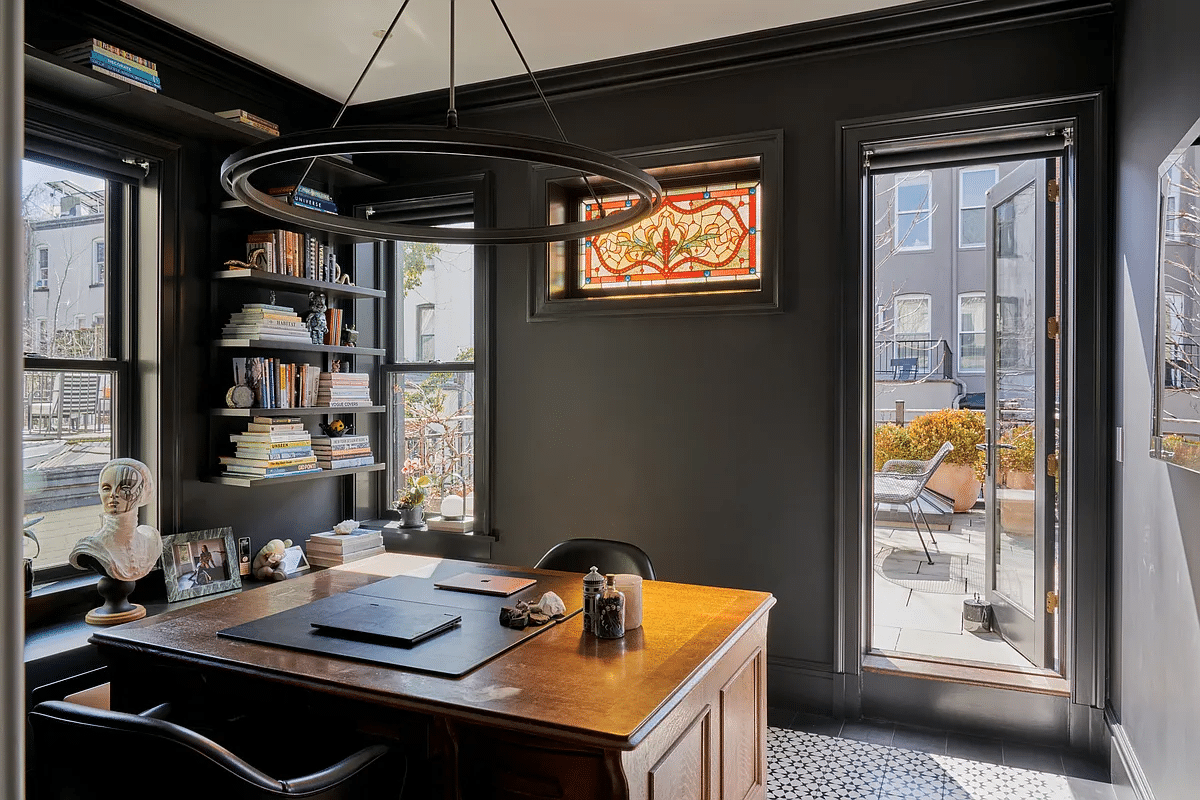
(930, 292)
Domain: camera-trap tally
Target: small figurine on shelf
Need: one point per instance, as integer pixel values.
(267, 564)
(317, 326)
(349, 336)
(336, 428)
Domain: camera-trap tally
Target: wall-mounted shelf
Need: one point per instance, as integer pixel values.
(289, 283)
(275, 344)
(228, 480)
(249, 413)
(48, 74)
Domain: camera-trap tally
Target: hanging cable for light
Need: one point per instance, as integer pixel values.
(239, 168)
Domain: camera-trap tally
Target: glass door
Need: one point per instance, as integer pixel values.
(1022, 244)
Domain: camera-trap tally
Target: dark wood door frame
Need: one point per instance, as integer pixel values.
(1087, 398)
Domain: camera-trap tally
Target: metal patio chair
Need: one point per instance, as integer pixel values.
(900, 482)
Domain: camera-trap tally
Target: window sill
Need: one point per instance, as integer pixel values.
(422, 541)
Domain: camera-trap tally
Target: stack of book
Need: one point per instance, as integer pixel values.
(252, 120)
(290, 253)
(271, 447)
(342, 451)
(266, 321)
(305, 197)
(115, 63)
(331, 549)
(344, 389)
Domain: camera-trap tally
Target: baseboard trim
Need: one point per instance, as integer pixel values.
(1127, 774)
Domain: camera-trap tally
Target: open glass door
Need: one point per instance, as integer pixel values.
(1022, 256)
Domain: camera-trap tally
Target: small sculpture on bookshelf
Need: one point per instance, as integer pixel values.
(349, 336)
(336, 428)
(317, 326)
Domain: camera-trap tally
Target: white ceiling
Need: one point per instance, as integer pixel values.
(324, 44)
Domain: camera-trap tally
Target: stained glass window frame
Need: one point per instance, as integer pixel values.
(556, 286)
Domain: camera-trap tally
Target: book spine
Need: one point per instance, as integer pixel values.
(124, 78)
(241, 115)
(108, 62)
(116, 51)
(361, 461)
(314, 203)
(258, 127)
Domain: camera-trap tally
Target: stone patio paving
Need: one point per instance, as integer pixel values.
(918, 606)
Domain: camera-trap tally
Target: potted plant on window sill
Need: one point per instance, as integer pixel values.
(410, 499)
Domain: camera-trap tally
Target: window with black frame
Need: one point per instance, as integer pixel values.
(76, 371)
(430, 388)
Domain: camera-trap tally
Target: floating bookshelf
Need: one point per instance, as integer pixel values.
(229, 480)
(248, 413)
(275, 344)
(274, 280)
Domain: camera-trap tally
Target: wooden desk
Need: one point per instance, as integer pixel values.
(676, 709)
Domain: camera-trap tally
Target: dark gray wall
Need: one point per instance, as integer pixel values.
(711, 441)
(1156, 563)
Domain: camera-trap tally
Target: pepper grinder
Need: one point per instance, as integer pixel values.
(610, 612)
(593, 587)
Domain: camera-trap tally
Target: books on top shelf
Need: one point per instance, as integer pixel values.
(115, 62)
(275, 447)
(305, 197)
(299, 255)
(344, 389)
(253, 120)
(265, 321)
(342, 452)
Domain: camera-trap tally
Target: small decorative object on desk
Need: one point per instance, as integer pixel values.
(317, 325)
(346, 527)
(593, 587)
(121, 551)
(200, 563)
(268, 564)
(524, 614)
(610, 612)
(411, 496)
(631, 587)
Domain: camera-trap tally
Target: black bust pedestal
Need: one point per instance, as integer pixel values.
(116, 608)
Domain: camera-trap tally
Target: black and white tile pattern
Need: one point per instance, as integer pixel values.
(809, 766)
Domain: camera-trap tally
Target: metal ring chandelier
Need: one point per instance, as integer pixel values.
(239, 168)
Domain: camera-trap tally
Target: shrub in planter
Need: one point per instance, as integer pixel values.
(962, 427)
(1016, 465)
(892, 441)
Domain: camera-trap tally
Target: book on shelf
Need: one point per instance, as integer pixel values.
(253, 120)
(323, 560)
(284, 472)
(124, 78)
(311, 203)
(96, 45)
(339, 378)
(271, 438)
(268, 307)
(273, 463)
(275, 420)
(342, 442)
(267, 427)
(346, 463)
(271, 454)
(306, 191)
(342, 452)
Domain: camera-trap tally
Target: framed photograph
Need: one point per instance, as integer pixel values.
(198, 563)
(294, 560)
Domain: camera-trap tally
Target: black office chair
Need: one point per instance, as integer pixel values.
(606, 555)
(82, 752)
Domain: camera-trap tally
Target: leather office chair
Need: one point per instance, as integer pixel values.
(82, 752)
(606, 555)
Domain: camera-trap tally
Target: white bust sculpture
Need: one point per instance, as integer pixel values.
(122, 549)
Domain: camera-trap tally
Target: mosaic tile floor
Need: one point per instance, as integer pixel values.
(804, 766)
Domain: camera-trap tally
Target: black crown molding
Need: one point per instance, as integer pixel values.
(112, 20)
(918, 22)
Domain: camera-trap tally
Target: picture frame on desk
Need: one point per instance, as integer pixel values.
(199, 563)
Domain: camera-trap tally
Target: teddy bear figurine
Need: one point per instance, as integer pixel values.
(266, 563)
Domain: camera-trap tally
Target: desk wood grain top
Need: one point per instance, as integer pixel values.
(562, 681)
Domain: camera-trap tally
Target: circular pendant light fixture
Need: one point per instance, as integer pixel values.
(239, 168)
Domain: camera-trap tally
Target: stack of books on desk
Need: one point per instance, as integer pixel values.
(344, 389)
(115, 63)
(271, 447)
(266, 321)
(331, 549)
(252, 120)
(342, 451)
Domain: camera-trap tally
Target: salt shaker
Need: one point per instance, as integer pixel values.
(593, 587)
(610, 612)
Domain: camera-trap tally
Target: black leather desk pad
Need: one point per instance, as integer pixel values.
(479, 638)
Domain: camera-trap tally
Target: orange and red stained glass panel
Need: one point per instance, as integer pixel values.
(702, 235)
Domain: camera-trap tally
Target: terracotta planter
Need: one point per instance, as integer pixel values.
(958, 482)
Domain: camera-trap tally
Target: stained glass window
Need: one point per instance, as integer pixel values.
(702, 237)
